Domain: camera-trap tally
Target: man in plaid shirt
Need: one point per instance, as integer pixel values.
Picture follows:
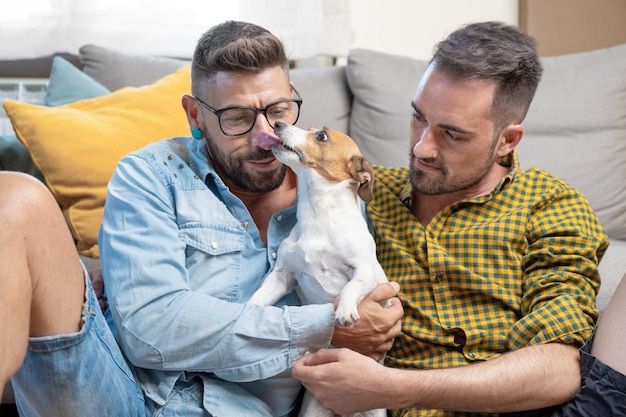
(498, 267)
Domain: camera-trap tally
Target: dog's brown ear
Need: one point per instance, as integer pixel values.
(363, 173)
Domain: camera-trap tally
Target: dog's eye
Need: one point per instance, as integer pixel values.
(321, 136)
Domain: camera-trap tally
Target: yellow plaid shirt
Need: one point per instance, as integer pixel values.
(491, 274)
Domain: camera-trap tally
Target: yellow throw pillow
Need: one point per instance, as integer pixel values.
(77, 146)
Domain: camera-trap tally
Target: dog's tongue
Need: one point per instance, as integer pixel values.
(265, 140)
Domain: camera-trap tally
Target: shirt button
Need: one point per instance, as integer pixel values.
(214, 245)
(439, 277)
(274, 255)
(279, 217)
(245, 225)
(471, 354)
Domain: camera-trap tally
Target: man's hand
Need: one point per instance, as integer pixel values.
(377, 327)
(97, 282)
(343, 380)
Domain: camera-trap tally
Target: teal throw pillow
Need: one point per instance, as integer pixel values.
(68, 84)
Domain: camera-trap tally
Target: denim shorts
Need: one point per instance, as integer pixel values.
(78, 374)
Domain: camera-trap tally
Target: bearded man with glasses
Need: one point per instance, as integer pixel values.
(192, 225)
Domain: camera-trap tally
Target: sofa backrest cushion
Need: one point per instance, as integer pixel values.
(383, 86)
(326, 98)
(575, 129)
(115, 69)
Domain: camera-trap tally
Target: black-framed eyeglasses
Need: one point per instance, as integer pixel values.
(236, 121)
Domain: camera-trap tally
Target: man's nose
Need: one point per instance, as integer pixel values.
(425, 145)
(262, 124)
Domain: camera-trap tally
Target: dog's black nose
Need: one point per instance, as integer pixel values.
(279, 125)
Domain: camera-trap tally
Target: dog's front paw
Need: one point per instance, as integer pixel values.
(346, 318)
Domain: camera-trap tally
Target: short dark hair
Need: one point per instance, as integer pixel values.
(235, 46)
(499, 52)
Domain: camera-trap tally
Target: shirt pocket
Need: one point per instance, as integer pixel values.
(214, 255)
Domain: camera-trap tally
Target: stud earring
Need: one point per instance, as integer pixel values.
(196, 133)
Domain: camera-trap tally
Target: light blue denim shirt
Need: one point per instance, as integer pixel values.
(180, 256)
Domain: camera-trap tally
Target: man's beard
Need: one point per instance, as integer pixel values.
(233, 169)
(423, 183)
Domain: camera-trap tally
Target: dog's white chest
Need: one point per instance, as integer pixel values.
(319, 266)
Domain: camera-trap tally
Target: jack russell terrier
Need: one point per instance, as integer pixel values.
(330, 251)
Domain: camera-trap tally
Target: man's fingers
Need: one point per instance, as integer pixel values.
(385, 291)
(320, 357)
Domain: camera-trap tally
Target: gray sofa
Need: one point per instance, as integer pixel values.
(576, 127)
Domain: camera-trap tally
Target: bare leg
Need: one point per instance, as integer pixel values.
(41, 278)
(609, 341)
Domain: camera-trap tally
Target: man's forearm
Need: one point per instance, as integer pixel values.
(530, 378)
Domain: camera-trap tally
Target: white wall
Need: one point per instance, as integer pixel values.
(412, 27)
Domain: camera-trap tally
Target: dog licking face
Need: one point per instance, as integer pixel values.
(330, 252)
(332, 154)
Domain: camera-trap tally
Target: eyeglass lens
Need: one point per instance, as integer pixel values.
(237, 121)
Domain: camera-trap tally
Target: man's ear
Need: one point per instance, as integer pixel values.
(510, 137)
(191, 110)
